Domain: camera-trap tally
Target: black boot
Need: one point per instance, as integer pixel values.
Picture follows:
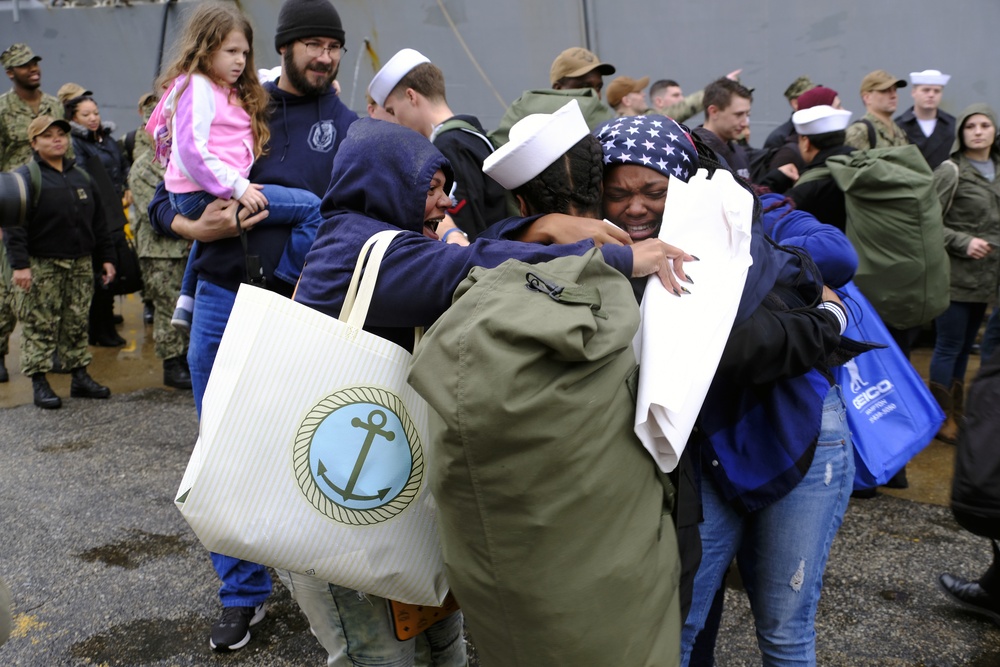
(898, 481)
(44, 396)
(4, 375)
(83, 386)
(176, 373)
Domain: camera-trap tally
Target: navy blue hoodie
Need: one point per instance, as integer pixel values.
(380, 181)
(306, 133)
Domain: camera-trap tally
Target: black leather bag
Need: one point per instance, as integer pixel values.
(128, 275)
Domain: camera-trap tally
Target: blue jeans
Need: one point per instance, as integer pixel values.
(786, 545)
(355, 629)
(244, 584)
(957, 328)
(285, 206)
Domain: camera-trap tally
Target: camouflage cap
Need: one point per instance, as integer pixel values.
(880, 80)
(42, 123)
(799, 86)
(17, 55)
(68, 91)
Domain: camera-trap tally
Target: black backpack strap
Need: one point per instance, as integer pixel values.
(872, 137)
(255, 271)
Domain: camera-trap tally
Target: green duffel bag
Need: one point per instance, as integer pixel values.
(894, 222)
(555, 522)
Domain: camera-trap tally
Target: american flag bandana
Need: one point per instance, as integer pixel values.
(653, 141)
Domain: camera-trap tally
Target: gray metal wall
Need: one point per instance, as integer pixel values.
(113, 50)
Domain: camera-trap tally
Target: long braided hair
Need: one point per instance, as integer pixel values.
(573, 184)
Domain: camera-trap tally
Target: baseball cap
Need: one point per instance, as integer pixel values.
(42, 123)
(622, 86)
(799, 86)
(880, 80)
(68, 91)
(577, 61)
(17, 55)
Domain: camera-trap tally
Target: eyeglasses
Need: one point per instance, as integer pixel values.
(315, 49)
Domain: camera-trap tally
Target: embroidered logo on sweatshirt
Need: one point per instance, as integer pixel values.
(322, 136)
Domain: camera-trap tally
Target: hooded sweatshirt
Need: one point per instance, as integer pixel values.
(306, 133)
(971, 207)
(380, 182)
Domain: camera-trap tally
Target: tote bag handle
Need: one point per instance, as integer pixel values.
(359, 297)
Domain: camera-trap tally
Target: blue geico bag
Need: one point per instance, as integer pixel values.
(890, 411)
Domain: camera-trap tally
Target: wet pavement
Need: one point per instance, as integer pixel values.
(104, 570)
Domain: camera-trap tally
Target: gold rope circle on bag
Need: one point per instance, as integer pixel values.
(303, 473)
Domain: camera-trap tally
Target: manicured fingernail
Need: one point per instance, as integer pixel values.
(696, 258)
(688, 278)
(685, 290)
(676, 292)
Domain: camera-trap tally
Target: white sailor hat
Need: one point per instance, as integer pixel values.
(393, 72)
(929, 77)
(820, 120)
(536, 141)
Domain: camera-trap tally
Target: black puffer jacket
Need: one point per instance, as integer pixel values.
(87, 144)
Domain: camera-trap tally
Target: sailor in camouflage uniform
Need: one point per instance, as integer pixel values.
(18, 107)
(161, 258)
(51, 261)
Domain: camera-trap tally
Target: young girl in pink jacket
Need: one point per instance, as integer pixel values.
(210, 126)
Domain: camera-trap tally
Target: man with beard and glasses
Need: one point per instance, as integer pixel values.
(307, 122)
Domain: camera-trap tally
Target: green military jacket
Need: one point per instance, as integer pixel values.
(15, 116)
(143, 178)
(689, 107)
(886, 136)
(971, 206)
(549, 101)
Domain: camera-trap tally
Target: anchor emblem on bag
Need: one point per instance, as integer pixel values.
(373, 430)
(357, 456)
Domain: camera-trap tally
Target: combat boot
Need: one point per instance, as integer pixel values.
(83, 386)
(4, 375)
(176, 373)
(45, 398)
(949, 429)
(958, 402)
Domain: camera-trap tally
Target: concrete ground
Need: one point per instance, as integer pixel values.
(104, 570)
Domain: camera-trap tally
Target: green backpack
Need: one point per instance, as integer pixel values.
(553, 519)
(895, 223)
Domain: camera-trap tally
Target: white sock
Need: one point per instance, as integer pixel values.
(185, 302)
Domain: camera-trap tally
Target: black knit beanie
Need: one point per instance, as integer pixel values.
(307, 18)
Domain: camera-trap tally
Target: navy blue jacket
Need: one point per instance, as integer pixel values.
(380, 181)
(758, 426)
(306, 133)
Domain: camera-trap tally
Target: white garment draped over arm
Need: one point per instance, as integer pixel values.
(680, 340)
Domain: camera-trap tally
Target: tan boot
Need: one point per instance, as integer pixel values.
(958, 402)
(949, 429)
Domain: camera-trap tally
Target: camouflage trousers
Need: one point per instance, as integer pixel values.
(54, 314)
(8, 319)
(161, 278)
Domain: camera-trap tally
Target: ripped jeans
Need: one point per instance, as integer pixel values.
(783, 548)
